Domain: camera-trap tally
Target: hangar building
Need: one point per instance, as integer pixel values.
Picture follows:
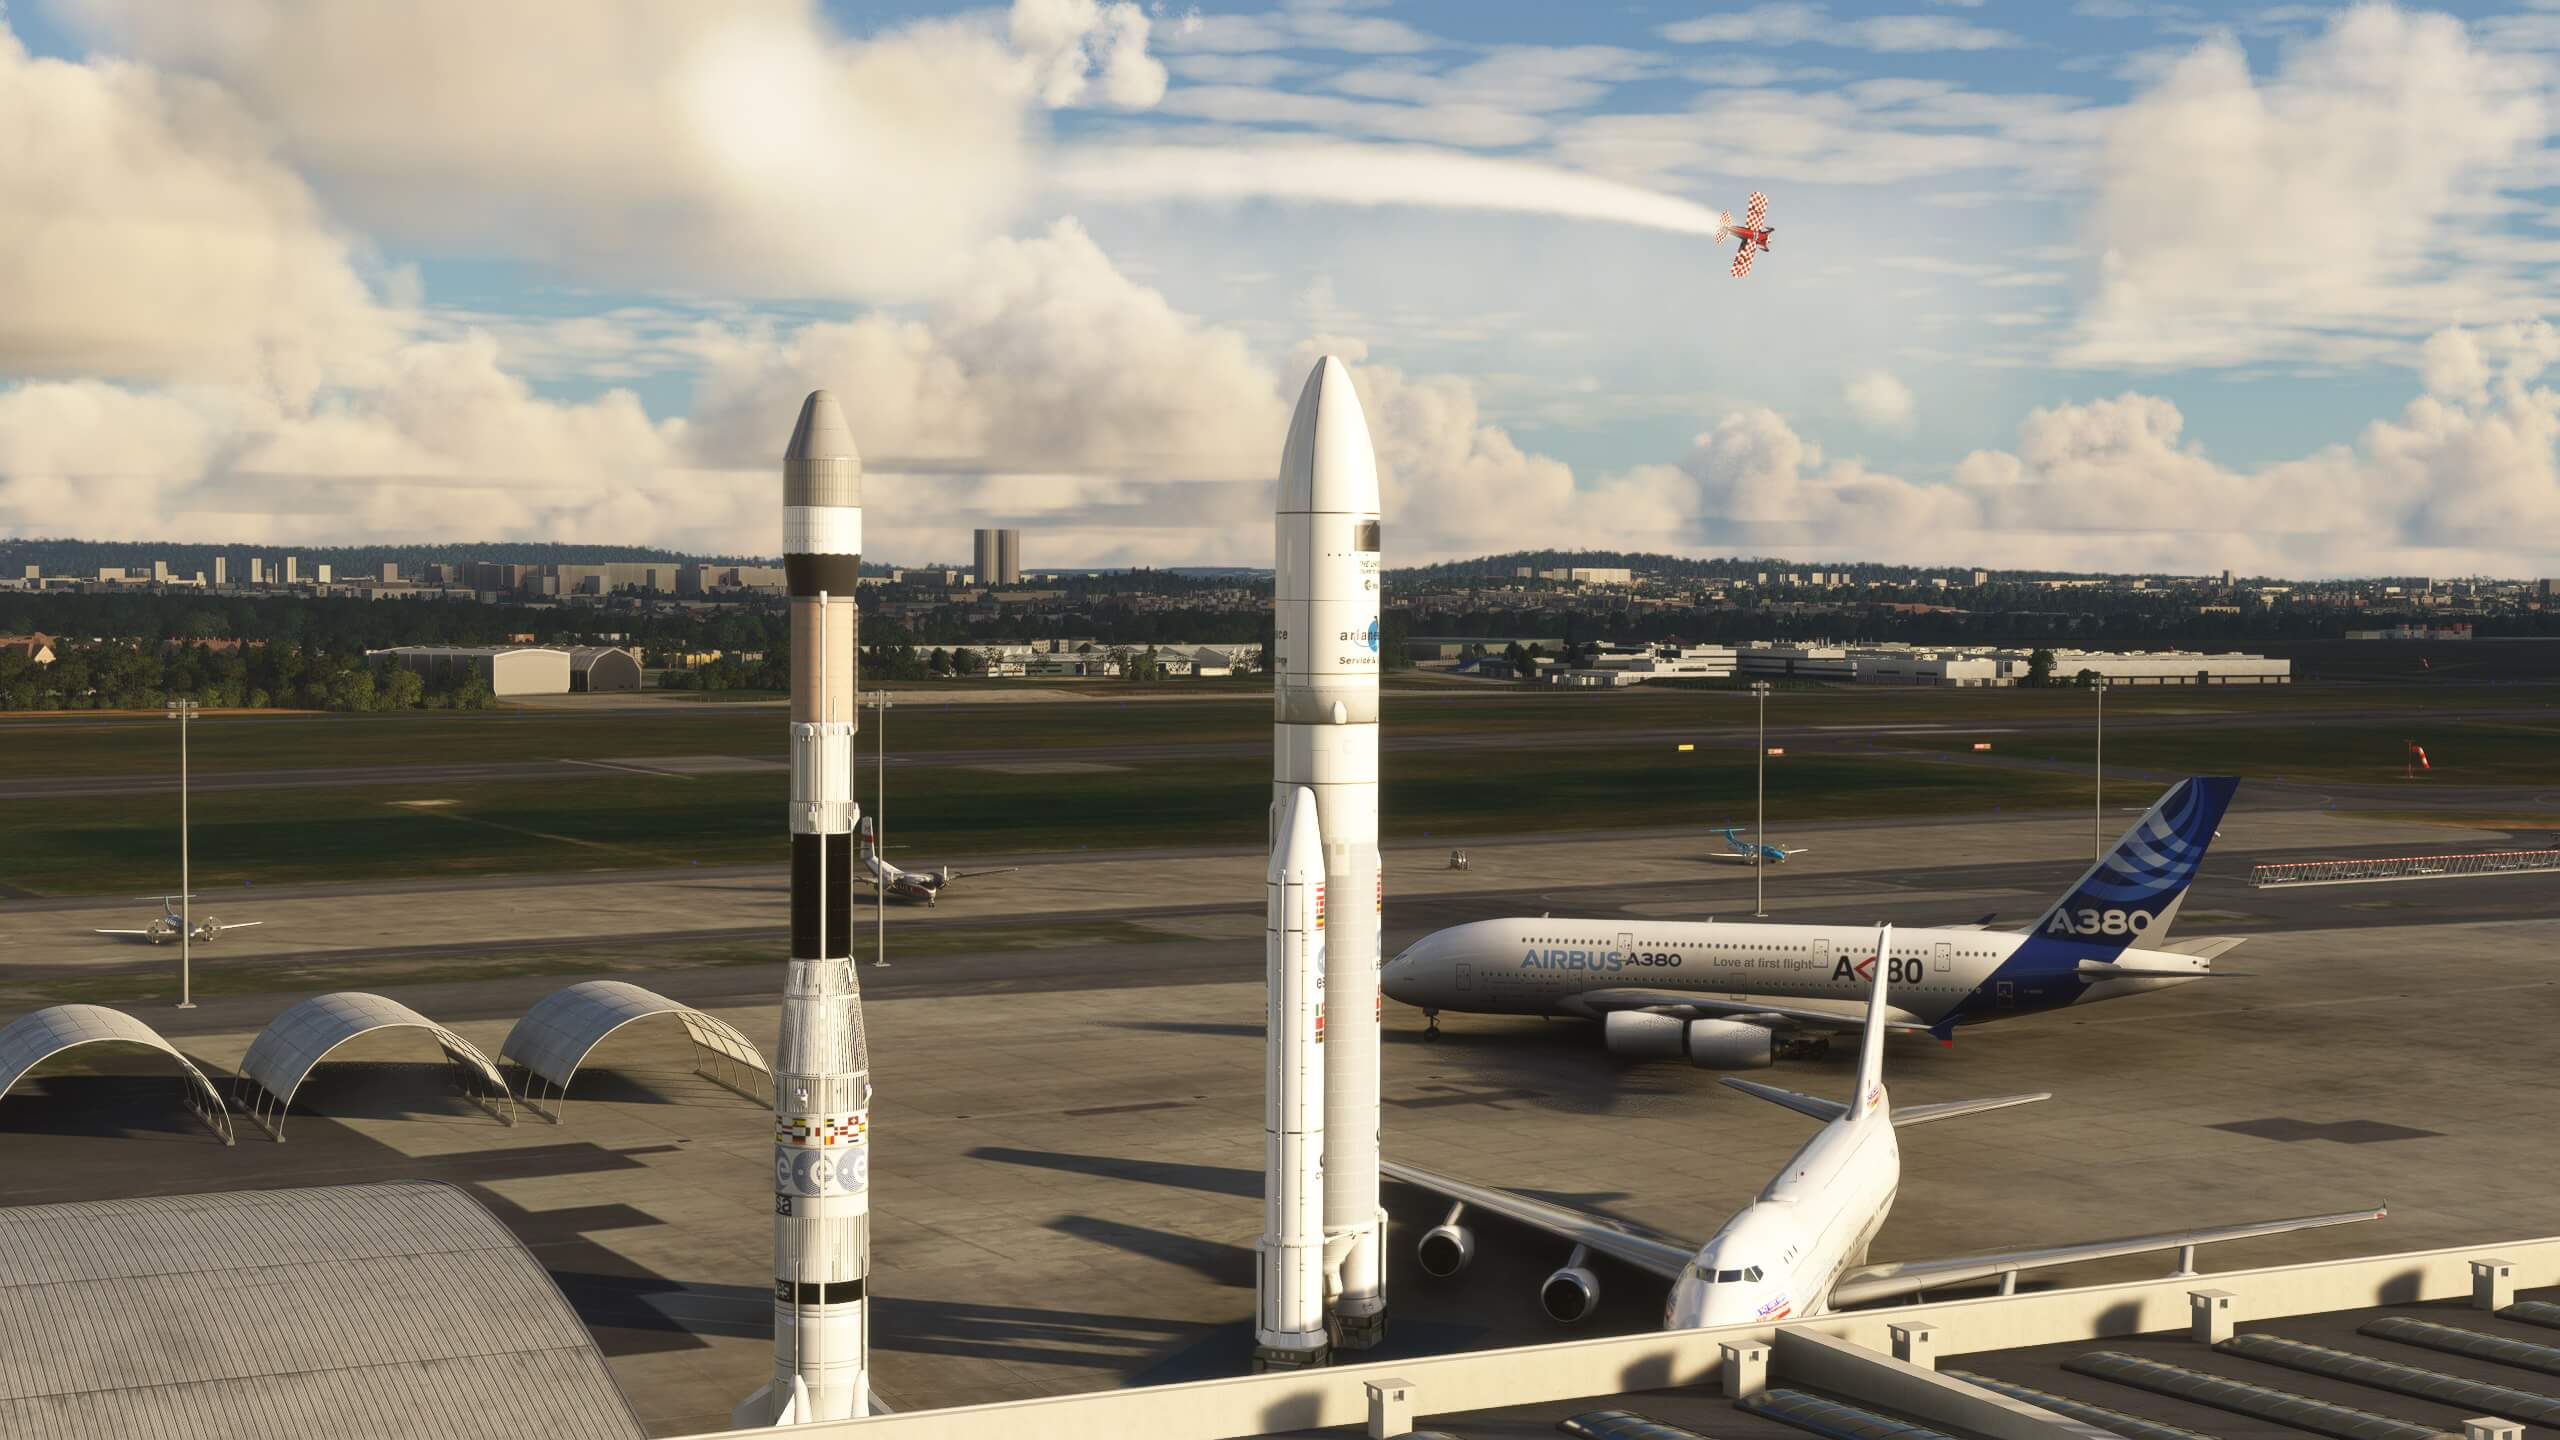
(508, 669)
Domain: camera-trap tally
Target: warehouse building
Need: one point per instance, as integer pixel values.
(603, 667)
(1974, 666)
(508, 669)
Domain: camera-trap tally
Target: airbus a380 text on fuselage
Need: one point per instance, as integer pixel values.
(1731, 996)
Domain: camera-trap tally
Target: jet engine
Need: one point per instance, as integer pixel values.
(1643, 1035)
(1729, 1045)
(1572, 1293)
(1707, 1044)
(1445, 1250)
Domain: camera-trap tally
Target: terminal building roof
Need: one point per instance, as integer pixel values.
(393, 1311)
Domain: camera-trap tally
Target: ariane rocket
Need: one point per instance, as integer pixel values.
(822, 1070)
(1325, 629)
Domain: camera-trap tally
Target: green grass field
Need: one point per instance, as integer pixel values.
(245, 838)
(68, 744)
(128, 845)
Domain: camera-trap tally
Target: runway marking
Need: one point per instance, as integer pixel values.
(1045, 767)
(607, 847)
(1926, 729)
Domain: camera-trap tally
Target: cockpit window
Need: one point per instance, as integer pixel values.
(1727, 1277)
(1752, 1274)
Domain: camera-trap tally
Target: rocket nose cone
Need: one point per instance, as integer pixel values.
(821, 433)
(1328, 463)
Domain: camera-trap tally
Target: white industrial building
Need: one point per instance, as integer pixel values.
(508, 669)
(1974, 666)
(1613, 665)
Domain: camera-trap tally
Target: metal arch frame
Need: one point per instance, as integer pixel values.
(461, 1056)
(202, 1098)
(740, 1066)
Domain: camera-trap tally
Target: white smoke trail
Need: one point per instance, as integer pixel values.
(1367, 175)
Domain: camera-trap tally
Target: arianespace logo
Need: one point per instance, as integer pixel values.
(1370, 639)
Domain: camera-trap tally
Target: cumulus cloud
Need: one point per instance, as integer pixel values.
(154, 234)
(2240, 219)
(2466, 478)
(747, 148)
(1879, 399)
(1082, 45)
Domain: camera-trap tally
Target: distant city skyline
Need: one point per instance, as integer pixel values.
(2105, 287)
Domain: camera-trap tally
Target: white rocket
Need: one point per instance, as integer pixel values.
(1325, 737)
(822, 1071)
(1289, 1323)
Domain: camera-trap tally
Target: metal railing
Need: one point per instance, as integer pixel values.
(2405, 867)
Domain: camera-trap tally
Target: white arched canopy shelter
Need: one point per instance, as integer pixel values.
(553, 1039)
(33, 1039)
(285, 1053)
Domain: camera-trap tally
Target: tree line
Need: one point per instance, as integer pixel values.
(137, 675)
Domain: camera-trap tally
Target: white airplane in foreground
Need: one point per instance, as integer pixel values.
(1734, 996)
(171, 925)
(924, 885)
(1800, 1249)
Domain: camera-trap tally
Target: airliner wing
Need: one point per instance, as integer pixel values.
(1663, 1257)
(1869, 1283)
(1827, 1111)
(1722, 1007)
(239, 924)
(119, 932)
(965, 874)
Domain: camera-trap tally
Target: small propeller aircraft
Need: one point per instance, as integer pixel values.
(924, 885)
(171, 924)
(1753, 232)
(1751, 853)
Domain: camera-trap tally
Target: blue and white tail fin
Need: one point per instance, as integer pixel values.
(1869, 1096)
(2134, 894)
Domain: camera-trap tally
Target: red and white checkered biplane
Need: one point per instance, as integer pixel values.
(1753, 232)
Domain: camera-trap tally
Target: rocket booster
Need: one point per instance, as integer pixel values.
(1289, 1315)
(1325, 737)
(822, 1089)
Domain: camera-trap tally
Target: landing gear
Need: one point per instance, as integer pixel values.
(1805, 1047)
(1430, 1024)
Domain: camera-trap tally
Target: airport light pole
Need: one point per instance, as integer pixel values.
(2098, 768)
(184, 711)
(879, 700)
(1760, 826)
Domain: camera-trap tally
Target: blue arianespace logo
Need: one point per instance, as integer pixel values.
(1371, 639)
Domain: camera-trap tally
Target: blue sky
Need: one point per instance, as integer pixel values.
(2064, 282)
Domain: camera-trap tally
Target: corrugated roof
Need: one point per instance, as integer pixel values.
(392, 1310)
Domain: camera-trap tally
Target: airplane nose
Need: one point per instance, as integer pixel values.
(1396, 976)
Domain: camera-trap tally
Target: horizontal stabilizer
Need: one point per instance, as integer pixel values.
(1796, 1100)
(1950, 1109)
(2108, 970)
(2205, 947)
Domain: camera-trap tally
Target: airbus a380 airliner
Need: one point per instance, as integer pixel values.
(1800, 1249)
(1734, 996)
